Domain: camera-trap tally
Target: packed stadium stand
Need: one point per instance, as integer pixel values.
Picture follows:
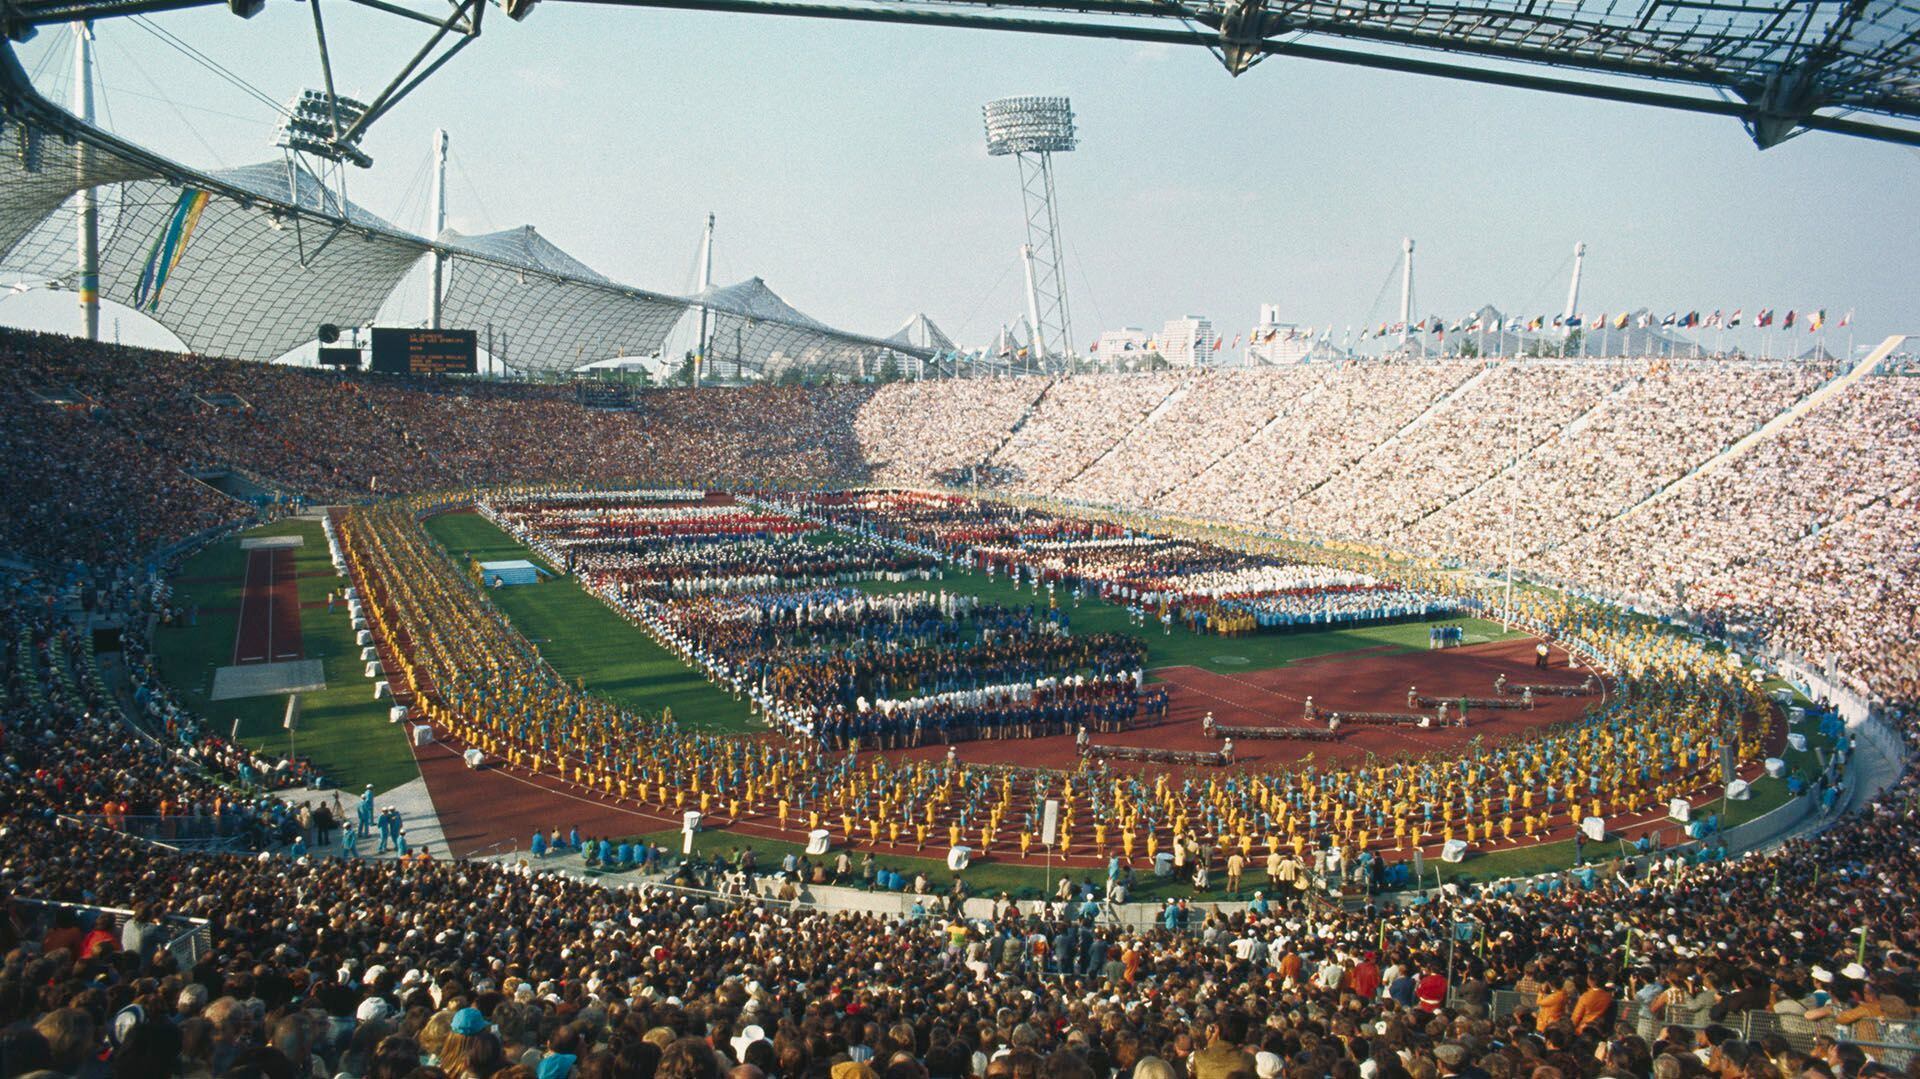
(129, 952)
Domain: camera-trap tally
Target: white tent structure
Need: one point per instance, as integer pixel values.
(250, 262)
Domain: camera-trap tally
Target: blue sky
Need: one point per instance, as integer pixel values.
(846, 166)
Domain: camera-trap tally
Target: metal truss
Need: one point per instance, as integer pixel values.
(1780, 67)
(1054, 332)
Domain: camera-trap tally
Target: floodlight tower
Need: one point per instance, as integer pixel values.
(1033, 129)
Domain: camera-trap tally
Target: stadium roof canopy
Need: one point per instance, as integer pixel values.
(250, 262)
(1779, 66)
(921, 330)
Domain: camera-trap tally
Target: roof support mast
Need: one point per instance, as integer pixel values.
(706, 282)
(1573, 287)
(1406, 289)
(87, 209)
(438, 212)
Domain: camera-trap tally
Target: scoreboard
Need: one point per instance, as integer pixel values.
(412, 351)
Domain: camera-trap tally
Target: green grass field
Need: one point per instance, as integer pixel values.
(342, 727)
(583, 639)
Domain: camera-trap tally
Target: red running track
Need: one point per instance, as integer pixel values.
(498, 804)
(267, 629)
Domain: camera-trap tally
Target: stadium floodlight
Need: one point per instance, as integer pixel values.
(1029, 125)
(313, 125)
(1032, 130)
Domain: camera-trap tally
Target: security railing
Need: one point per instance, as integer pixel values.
(180, 831)
(188, 940)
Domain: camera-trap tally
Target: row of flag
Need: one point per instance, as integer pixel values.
(1766, 318)
(1814, 321)
(1292, 333)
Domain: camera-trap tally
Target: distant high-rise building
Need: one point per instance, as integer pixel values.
(1188, 342)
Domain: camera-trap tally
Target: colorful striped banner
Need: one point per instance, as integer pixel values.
(168, 248)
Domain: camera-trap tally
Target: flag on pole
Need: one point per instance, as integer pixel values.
(1787, 323)
(1847, 318)
(1733, 321)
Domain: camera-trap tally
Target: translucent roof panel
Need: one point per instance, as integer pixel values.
(548, 321)
(250, 262)
(251, 281)
(39, 171)
(523, 247)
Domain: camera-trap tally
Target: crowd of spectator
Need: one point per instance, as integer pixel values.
(1797, 541)
(1676, 966)
(1567, 465)
(315, 966)
(1804, 543)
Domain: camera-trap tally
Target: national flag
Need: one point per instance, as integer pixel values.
(1764, 318)
(1095, 347)
(1733, 320)
(1620, 321)
(1714, 320)
(1645, 321)
(1787, 323)
(1572, 322)
(1236, 340)
(1816, 320)
(1847, 318)
(1216, 343)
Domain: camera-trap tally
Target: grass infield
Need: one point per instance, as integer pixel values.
(584, 640)
(342, 728)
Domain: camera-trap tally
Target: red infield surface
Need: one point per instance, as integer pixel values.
(267, 629)
(1365, 680)
(484, 810)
